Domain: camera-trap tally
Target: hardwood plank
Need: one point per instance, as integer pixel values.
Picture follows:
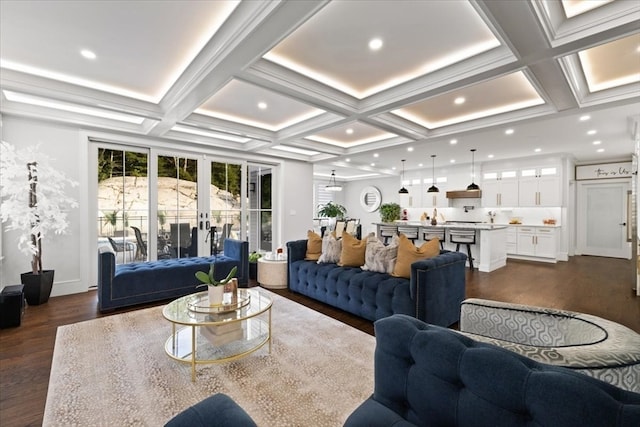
(598, 286)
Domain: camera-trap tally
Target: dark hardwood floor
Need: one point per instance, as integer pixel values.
(598, 286)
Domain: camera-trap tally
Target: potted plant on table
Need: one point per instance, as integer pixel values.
(216, 288)
(389, 212)
(33, 202)
(332, 211)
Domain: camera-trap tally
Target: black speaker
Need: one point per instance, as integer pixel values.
(11, 306)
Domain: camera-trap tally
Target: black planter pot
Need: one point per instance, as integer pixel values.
(37, 287)
(253, 270)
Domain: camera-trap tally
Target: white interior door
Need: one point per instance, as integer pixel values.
(602, 219)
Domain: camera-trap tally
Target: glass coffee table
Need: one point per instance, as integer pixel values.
(201, 333)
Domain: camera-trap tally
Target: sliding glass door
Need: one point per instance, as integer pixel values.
(177, 209)
(123, 203)
(156, 204)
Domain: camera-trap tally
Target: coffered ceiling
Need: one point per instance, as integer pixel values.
(335, 82)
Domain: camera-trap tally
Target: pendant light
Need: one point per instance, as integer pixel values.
(333, 186)
(433, 188)
(403, 190)
(473, 186)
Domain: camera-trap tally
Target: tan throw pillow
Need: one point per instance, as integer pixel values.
(408, 253)
(379, 257)
(353, 250)
(314, 246)
(331, 249)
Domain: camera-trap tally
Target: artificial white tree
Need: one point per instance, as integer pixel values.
(33, 198)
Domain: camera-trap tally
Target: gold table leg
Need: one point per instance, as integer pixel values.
(193, 353)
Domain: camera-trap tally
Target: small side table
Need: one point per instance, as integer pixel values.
(272, 274)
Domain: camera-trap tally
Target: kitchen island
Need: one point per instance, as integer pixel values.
(490, 248)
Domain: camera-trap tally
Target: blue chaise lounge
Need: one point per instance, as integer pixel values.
(137, 283)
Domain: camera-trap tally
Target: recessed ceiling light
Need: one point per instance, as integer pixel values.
(537, 150)
(262, 105)
(349, 131)
(409, 149)
(598, 142)
(376, 155)
(347, 160)
(600, 150)
(490, 156)
(585, 118)
(453, 142)
(420, 165)
(452, 161)
(393, 168)
(373, 164)
(375, 44)
(592, 132)
(508, 132)
(459, 100)
(88, 54)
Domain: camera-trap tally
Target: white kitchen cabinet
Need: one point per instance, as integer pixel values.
(512, 240)
(540, 187)
(500, 188)
(435, 200)
(539, 242)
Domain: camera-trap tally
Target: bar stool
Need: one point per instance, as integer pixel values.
(387, 232)
(463, 237)
(410, 232)
(434, 233)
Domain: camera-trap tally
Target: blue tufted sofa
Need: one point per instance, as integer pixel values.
(430, 376)
(433, 294)
(136, 283)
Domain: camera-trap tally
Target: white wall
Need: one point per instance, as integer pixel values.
(59, 252)
(296, 189)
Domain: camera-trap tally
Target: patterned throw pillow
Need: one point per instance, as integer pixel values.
(408, 253)
(314, 246)
(331, 249)
(352, 254)
(379, 257)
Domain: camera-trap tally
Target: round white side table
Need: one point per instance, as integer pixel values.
(272, 274)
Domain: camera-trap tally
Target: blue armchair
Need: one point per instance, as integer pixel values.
(426, 375)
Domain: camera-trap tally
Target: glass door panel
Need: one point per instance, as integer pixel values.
(225, 204)
(177, 207)
(259, 203)
(123, 203)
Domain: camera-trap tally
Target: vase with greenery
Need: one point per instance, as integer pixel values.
(216, 288)
(389, 212)
(33, 202)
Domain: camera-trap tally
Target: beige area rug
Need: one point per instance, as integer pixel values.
(113, 371)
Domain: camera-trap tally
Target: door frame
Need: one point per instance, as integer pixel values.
(581, 212)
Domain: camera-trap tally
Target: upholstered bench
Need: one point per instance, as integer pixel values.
(584, 343)
(137, 283)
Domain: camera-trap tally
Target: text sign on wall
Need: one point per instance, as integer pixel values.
(604, 171)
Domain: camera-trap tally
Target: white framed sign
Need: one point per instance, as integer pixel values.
(604, 171)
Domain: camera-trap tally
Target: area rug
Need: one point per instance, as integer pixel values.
(114, 371)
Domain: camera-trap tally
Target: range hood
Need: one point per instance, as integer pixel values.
(464, 194)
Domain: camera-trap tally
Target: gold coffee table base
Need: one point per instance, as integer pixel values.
(217, 337)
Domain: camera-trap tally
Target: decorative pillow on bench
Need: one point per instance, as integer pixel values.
(353, 250)
(331, 249)
(408, 253)
(314, 246)
(379, 257)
